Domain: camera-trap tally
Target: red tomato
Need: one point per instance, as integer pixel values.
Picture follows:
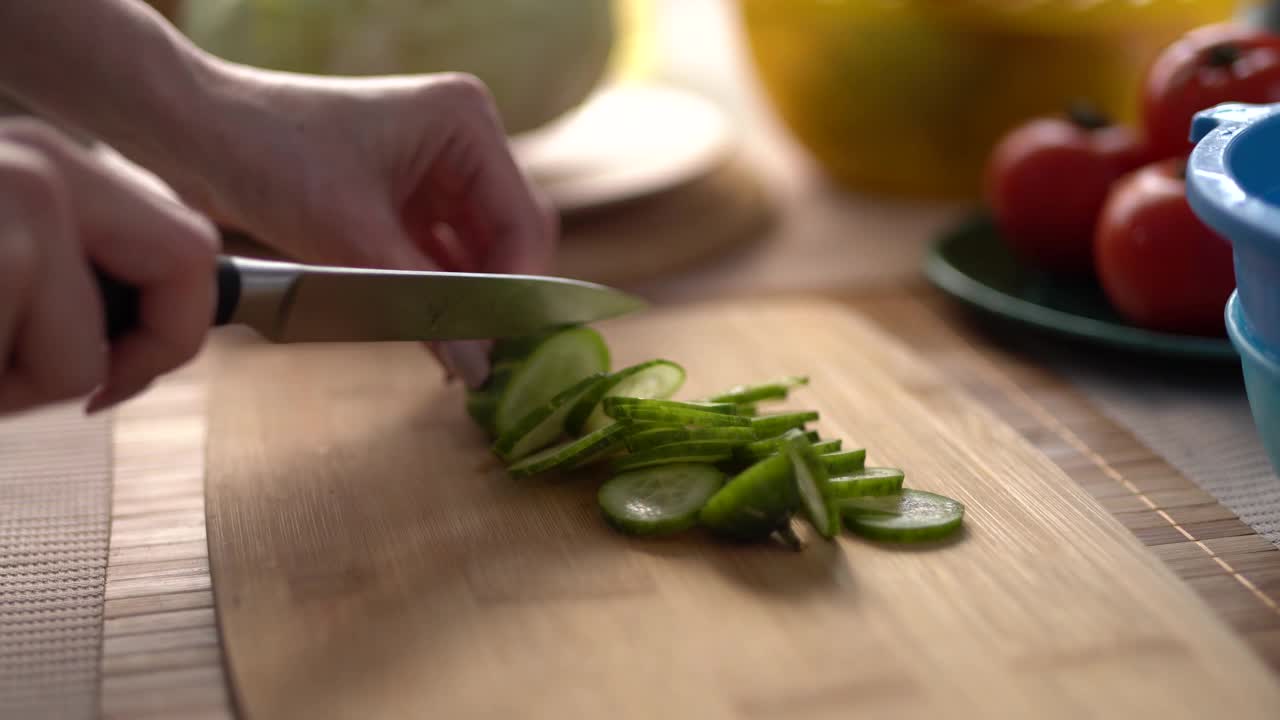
(1160, 266)
(1046, 182)
(1207, 66)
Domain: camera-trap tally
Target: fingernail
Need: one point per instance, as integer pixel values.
(468, 359)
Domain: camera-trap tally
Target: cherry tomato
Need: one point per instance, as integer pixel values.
(1160, 266)
(1207, 66)
(1046, 182)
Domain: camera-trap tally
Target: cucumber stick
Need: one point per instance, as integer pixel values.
(554, 364)
(692, 451)
(750, 394)
(659, 436)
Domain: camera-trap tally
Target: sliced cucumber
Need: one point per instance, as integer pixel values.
(692, 451)
(866, 482)
(660, 500)
(615, 402)
(908, 516)
(543, 425)
(767, 426)
(842, 463)
(755, 502)
(776, 390)
(747, 409)
(764, 448)
(653, 379)
(571, 453)
(482, 402)
(557, 362)
(660, 436)
(674, 415)
(811, 484)
(828, 447)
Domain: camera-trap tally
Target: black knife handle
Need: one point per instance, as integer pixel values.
(120, 301)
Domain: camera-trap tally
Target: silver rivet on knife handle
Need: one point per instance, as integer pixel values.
(263, 298)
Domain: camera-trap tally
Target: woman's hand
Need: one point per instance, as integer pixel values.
(405, 173)
(62, 213)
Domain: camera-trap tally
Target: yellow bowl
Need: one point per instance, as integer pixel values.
(908, 97)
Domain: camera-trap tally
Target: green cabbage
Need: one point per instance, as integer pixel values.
(540, 58)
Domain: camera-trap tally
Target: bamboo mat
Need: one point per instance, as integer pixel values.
(55, 480)
(160, 654)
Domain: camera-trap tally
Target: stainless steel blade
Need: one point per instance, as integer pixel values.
(320, 304)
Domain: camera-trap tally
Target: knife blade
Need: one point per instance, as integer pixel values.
(291, 303)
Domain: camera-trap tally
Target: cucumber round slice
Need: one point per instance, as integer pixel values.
(571, 453)
(557, 362)
(842, 463)
(543, 425)
(811, 485)
(657, 437)
(908, 516)
(776, 390)
(755, 502)
(693, 451)
(659, 501)
(767, 426)
(670, 415)
(653, 379)
(871, 481)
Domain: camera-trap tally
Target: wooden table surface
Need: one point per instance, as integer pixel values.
(161, 655)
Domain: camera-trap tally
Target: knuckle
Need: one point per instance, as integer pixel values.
(34, 134)
(465, 90)
(30, 181)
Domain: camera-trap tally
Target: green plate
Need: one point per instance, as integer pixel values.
(973, 264)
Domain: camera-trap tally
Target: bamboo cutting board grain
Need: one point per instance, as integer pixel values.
(370, 560)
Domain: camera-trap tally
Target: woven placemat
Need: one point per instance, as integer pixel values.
(55, 493)
(1201, 424)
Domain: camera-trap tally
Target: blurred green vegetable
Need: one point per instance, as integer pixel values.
(540, 58)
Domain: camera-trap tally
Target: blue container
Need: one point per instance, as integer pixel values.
(1233, 185)
(1261, 379)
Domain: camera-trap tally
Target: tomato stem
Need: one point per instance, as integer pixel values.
(1085, 115)
(1222, 55)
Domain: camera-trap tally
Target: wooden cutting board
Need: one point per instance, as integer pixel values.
(371, 560)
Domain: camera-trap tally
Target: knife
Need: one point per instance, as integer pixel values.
(289, 303)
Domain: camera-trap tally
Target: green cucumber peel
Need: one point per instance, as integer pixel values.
(692, 451)
(872, 481)
(657, 437)
(755, 502)
(844, 462)
(746, 394)
(767, 426)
